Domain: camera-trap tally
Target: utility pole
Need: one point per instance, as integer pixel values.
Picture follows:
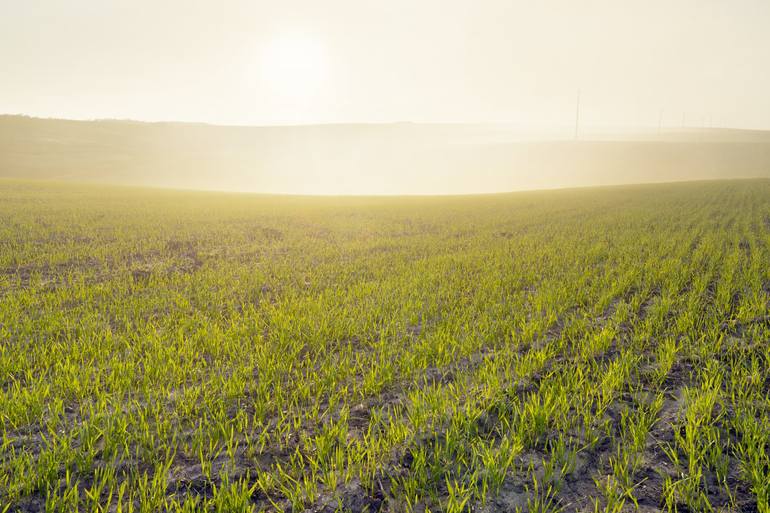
(660, 121)
(577, 115)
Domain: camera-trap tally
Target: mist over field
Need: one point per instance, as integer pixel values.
(397, 158)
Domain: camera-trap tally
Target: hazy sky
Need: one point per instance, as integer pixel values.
(290, 61)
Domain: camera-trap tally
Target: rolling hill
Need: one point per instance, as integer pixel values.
(393, 158)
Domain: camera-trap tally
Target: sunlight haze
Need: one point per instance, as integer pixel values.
(697, 63)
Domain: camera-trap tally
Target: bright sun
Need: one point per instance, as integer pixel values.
(294, 66)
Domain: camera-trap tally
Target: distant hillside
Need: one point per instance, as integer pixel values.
(386, 158)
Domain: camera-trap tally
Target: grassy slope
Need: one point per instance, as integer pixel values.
(160, 348)
(396, 158)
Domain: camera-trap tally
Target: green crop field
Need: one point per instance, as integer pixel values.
(577, 350)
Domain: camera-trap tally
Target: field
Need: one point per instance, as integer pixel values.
(577, 350)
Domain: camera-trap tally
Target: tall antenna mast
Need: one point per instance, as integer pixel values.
(577, 115)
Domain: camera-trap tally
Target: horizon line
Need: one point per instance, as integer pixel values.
(161, 188)
(510, 124)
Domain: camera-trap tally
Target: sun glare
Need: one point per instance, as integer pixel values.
(294, 66)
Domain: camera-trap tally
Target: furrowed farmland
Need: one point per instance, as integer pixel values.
(577, 350)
